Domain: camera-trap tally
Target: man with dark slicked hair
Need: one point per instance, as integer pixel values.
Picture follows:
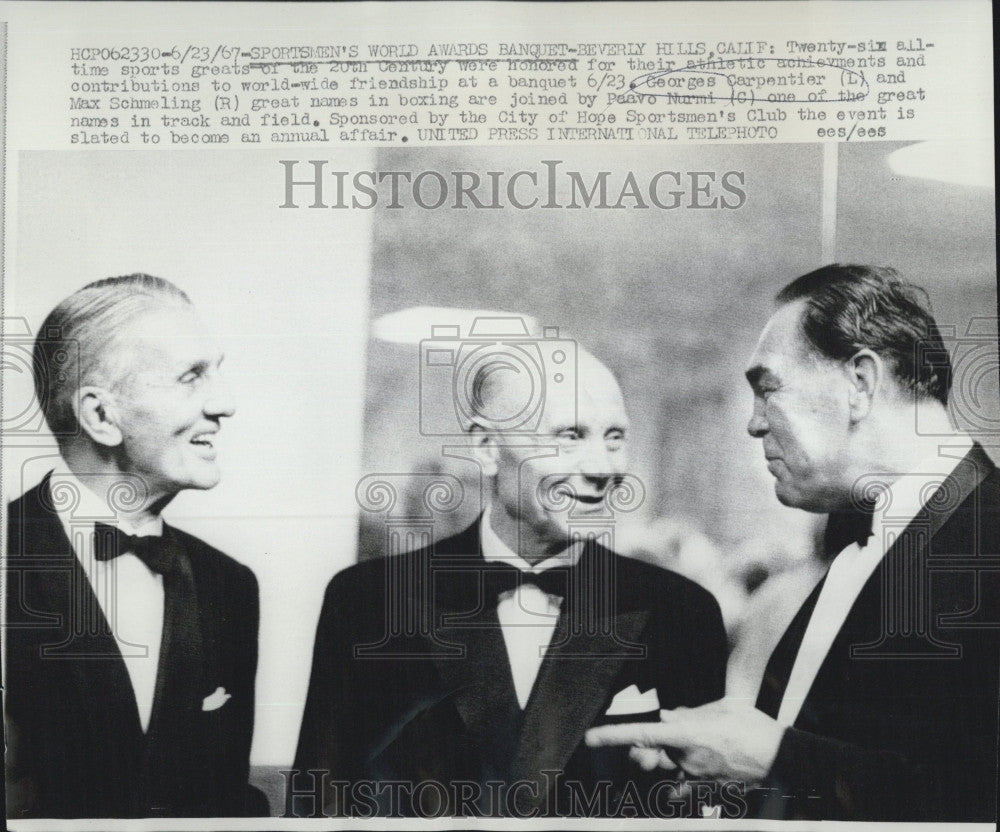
(130, 646)
(879, 703)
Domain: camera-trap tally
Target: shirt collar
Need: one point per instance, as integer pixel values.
(908, 494)
(85, 507)
(495, 550)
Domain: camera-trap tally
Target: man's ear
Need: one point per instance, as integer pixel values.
(865, 373)
(484, 446)
(97, 414)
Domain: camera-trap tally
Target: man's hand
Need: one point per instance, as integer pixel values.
(724, 740)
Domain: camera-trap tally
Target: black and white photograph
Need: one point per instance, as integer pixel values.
(428, 400)
(606, 484)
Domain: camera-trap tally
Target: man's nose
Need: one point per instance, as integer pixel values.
(598, 462)
(757, 426)
(219, 401)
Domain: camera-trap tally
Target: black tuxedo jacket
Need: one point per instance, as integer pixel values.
(75, 744)
(901, 720)
(411, 683)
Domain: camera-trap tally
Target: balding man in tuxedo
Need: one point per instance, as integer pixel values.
(534, 632)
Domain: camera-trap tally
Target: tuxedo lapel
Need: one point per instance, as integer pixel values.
(206, 590)
(897, 595)
(591, 641)
(481, 687)
(779, 666)
(974, 467)
(186, 745)
(469, 651)
(87, 651)
(867, 627)
(583, 660)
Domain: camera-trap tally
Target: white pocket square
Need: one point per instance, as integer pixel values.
(215, 700)
(630, 701)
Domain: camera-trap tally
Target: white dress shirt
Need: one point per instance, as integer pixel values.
(528, 616)
(130, 594)
(851, 569)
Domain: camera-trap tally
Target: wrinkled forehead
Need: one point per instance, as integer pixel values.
(161, 338)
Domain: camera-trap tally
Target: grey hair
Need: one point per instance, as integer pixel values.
(71, 349)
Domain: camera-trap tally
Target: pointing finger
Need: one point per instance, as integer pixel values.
(629, 733)
(647, 758)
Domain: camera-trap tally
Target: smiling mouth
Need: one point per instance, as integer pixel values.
(564, 497)
(203, 440)
(586, 503)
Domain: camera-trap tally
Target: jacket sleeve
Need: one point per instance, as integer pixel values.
(818, 776)
(20, 782)
(931, 754)
(716, 651)
(254, 801)
(324, 747)
(704, 650)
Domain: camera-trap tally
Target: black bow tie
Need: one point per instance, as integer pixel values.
(159, 553)
(501, 577)
(852, 525)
